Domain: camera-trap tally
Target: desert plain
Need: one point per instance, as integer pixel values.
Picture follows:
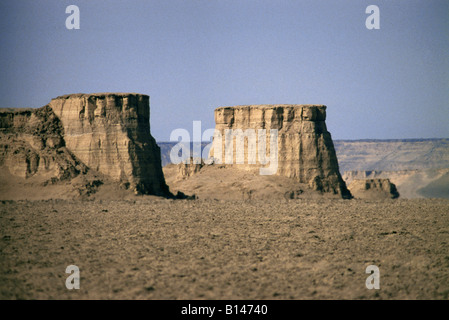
(155, 248)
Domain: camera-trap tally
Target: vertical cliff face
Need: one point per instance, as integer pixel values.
(110, 133)
(305, 148)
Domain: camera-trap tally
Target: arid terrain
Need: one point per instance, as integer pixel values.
(82, 182)
(154, 248)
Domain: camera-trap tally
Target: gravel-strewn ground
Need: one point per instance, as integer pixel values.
(180, 249)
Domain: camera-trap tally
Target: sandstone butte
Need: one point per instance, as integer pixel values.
(305, 147)
(108, 133)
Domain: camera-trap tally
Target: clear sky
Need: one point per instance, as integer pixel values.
(192, 56)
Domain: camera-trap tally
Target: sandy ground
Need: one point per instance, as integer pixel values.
(155, 248)
(228, 182)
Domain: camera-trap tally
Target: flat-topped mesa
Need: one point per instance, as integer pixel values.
(110, 132)
(305, 148)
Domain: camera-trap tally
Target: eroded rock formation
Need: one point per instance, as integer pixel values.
(32, 143)
(193, 166)
(305, 148)
(108, 133)
(373, 189)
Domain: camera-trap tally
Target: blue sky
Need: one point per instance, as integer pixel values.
(192, 56)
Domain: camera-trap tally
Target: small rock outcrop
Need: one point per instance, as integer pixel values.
(373, 189)
(186, 170)
(305, 147)
(107, 133)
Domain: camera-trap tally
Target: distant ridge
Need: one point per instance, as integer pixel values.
(392, 154)
(374, 154)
